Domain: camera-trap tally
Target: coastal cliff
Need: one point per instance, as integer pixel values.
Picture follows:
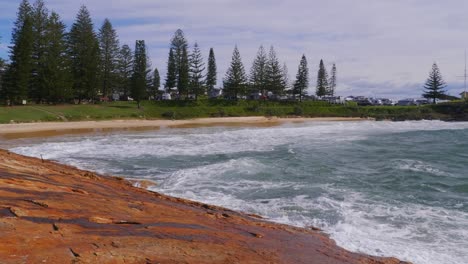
(52, 213)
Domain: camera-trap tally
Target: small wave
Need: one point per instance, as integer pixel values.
(419, 166)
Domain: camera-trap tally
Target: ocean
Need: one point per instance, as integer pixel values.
(382, 188)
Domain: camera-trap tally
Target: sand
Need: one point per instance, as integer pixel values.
(45, 129)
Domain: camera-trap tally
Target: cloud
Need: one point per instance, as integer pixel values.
(381, 47)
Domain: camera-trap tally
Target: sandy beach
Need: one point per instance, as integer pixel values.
(45, 129)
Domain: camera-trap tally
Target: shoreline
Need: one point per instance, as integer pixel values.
(48, 129)
(60, 214)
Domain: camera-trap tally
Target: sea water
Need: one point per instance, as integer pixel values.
(382, 188)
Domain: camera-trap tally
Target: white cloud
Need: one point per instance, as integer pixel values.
(380, 47)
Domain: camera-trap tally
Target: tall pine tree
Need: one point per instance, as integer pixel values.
(274, 75)
(56, 74)
(183, 75)
(171, 77)
(285, 78)
(156, 83)
(84, 54)
(434, 87)
(3, 68)
(18, 75)
(197, 68)
(179, 47)
(109, 50)
(124, 70)
(38, 89)
(140, 72)
(332, 82)
(258, 72)
(302, 79)
(211, 78)
(235, 81)
(322, 80)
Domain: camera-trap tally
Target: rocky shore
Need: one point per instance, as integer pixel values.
(52, 213)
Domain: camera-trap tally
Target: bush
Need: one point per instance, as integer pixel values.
(169, 115)
(298, 111)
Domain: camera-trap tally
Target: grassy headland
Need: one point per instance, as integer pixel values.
(223, 108)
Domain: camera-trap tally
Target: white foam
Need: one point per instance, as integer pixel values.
(419, 166)
(411, 232)
(123, 146)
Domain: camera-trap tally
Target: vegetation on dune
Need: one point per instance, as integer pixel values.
(186, 109)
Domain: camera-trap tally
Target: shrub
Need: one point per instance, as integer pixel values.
(169, 115)
(298, 111)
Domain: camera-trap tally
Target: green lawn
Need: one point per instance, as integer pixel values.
(220, 108)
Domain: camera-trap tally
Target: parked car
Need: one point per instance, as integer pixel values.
(376, 101)
(422, 101)
(407, 102)
(388, 102)
(364, 102)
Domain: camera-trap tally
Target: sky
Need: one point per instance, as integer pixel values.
(382, 48)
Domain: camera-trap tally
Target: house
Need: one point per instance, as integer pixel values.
(215, 93)
(116, 96)
(166, 96)
(464, 95)
(333, 99)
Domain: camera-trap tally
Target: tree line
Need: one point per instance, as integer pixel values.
(48, 64)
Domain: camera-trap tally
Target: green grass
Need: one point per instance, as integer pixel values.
(224, 108)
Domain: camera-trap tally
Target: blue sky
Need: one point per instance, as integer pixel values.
(381, 47)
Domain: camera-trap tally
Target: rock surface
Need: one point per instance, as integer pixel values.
(52, 213)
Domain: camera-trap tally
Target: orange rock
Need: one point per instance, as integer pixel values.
(52, 213)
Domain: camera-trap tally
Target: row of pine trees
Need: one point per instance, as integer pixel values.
(186, 73)
(47, 64)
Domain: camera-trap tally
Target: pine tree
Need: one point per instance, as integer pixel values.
(3, 67)
(109, 50)
(235, 81)
(124, 70)
(285, 78)
(38, 90)
(179, 47)
(56, 75)
(211, 78)
(140, 72)
(332, 82)
(322, 80)
(302, 79)
(434, 87)
(18, 75)
(171, 77)
(274, 75)
(183, 76)
(156, 83)
(84, 53)
(258, 72)
(197, 67)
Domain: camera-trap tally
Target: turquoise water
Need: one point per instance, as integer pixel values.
(382, 188)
